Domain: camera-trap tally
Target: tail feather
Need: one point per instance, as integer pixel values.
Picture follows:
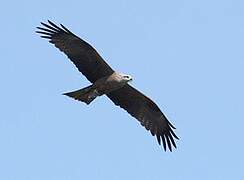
(85, 95)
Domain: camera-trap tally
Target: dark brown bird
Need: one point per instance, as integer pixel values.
(105, 81)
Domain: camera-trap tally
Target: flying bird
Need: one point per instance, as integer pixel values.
(106, 81)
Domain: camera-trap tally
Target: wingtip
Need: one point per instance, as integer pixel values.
(158, 138)
(165, 149)
(66, 29)
(164, 143)
(171, 125)
(42, 23)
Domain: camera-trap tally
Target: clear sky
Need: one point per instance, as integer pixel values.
(186, 55)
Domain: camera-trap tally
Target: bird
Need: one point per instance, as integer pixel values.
(105, 81)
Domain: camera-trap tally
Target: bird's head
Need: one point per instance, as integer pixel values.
(125, 77)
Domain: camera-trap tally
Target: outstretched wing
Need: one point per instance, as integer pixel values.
(83, 55)
(147, 112)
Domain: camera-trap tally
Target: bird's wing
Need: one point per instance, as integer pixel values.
(83, 55)
(147, 112)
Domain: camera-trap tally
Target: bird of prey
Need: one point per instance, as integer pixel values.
(105, 81)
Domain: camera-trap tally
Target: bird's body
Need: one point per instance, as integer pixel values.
(105, 81)
(111, 83)
(100, 87)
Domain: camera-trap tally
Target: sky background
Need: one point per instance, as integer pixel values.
(186, 55)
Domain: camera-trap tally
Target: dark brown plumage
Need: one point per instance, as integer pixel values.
(83, 55)
(91, 64)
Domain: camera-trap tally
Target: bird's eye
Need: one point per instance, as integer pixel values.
(127, 77)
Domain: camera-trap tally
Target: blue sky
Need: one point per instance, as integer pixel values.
(186, 55)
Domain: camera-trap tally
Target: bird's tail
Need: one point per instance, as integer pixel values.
(86, 95)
